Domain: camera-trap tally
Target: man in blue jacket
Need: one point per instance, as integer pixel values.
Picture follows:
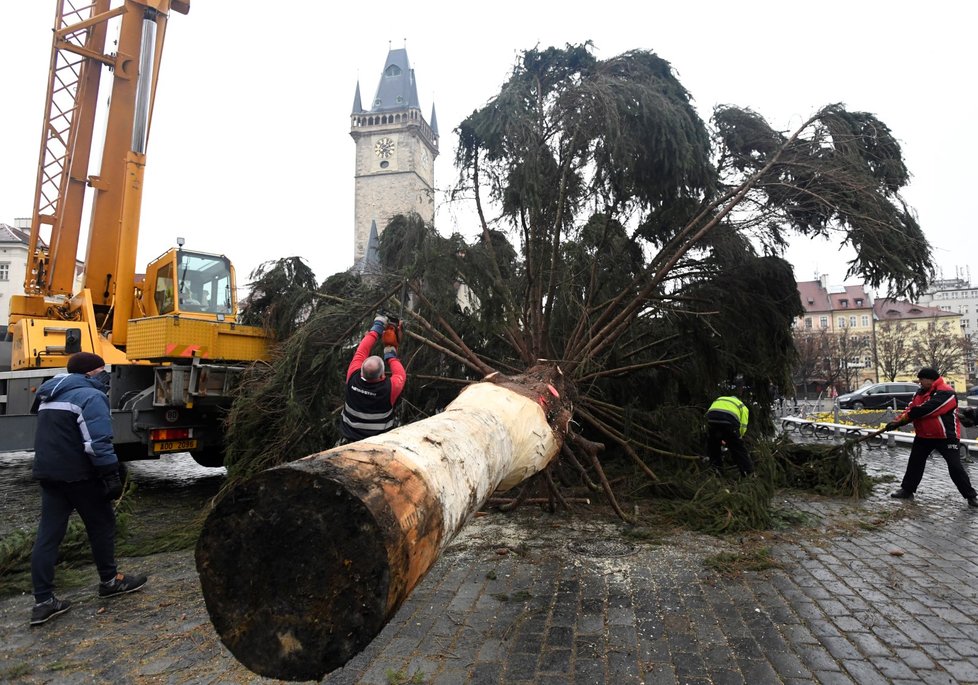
(78, 471)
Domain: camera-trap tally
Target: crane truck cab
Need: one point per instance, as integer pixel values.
(193, 284)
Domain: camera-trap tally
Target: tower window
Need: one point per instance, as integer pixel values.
(392, 70)
(384, 164)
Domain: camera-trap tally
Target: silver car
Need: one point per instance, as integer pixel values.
(879, 396)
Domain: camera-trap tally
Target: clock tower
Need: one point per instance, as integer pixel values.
(395, 154)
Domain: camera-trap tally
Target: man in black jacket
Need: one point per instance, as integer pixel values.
(78, 471)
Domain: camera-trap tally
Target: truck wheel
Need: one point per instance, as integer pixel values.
(210, 457)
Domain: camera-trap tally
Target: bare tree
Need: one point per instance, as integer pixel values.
(942, 346)
(813, 351)
(845, 353)
(894, 348)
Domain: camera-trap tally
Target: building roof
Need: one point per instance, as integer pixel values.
(890, 310)
(397, 89)
(854, 297)
(814, 298)
(817, 297)
(10, 234)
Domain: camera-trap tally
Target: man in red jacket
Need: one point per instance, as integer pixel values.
(936, 427)
(370, 394)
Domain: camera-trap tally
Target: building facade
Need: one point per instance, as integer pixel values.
(841, 312)
(958, 296)
(943, 328)
(14, 241)
(13, 263)
(395, 154)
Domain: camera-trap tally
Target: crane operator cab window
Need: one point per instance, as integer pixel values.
(204, 283)
(163, 292)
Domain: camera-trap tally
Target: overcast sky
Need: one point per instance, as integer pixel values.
(250, 153)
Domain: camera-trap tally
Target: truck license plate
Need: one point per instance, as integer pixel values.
(174, 446)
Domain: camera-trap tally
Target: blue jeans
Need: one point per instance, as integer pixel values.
(58, 500)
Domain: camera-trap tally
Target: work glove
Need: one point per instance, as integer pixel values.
(390, 352)
(968, 416)
(112, 485)
(892, 426)
(380, 323)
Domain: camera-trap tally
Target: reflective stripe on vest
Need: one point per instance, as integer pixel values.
(368, 409)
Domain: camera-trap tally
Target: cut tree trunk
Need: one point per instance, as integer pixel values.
(302, 565)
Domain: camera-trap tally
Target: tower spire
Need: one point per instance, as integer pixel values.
(357, 105)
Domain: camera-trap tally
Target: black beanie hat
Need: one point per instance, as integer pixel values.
(83, 362)
(928, 372)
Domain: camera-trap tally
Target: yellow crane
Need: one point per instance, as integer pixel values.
(170, 335)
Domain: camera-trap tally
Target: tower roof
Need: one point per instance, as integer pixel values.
(357, 106)
(434, 121)
(371, 257)
(397, 89)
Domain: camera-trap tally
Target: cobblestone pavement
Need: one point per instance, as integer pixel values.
(845, 608)
(882, 592)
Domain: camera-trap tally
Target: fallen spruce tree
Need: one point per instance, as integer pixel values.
(645, 274)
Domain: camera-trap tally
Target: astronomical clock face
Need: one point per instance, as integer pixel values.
(384, 148)
(424, 160)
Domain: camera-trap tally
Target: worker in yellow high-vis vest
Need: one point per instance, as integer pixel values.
(726, 422)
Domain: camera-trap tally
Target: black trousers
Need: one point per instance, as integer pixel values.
(717, 433)
(58, 500)
(922, 447)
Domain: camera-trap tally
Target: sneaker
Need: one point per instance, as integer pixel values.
(973, 501)
(901, 494)
(121, 585)
(45, 611)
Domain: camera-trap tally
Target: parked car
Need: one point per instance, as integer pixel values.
(879, 395)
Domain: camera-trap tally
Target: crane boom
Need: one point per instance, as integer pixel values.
(66, 144)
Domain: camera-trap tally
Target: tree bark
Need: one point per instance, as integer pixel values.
(302, 565)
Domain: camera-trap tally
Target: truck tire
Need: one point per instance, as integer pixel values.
(209, 457)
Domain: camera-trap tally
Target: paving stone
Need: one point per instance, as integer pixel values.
(788, 665)
(817, 658)
(589, 672)
(936, 678)
(758, 671)
(963, 671)
(661, 674)
(833, 678)
(892, 668)
(724, 676)
(868, 644)
(840, 648)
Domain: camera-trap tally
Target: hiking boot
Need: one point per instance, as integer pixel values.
(901, 494)
(973, 501)
(121, 585)
(45, 611)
